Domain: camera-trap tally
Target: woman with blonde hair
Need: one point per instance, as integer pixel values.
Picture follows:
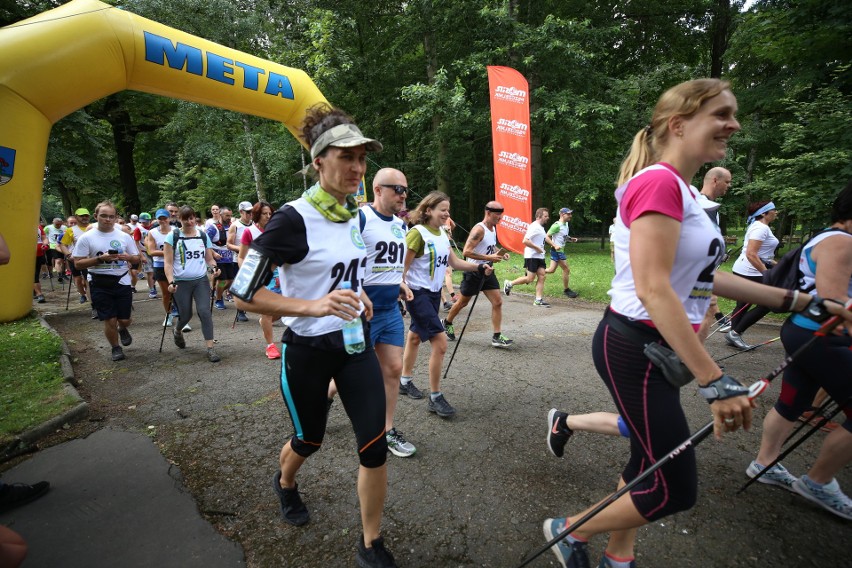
(426, 261)
(666, 253)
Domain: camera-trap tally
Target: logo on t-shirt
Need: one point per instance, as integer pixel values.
(397, 231)
(355, 235)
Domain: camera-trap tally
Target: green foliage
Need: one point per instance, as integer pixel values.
(31, 382)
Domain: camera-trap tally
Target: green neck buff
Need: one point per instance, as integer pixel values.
(328, 205)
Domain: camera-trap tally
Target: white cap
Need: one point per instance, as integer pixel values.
(244, 206)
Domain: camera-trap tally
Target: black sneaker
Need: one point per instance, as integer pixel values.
(449, 329)
(40, 299)
(570, 293)
(241, 316)
(410, 390)
(441, 407)
(117, 353)
(375, 557)
(94, 314)
(82, 298)
(558, 432)
(16, 494)
(212, 356)
(178, 337)
(501, 340)
(541, 304)
(293, 509)
(124, 334)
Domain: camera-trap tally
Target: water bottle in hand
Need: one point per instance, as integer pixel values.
(353, 331)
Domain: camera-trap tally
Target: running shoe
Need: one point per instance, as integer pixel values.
(60, 279)
(828, 496)
(14, 495)
(241, 316)
(117, 353)
(726, 326)
(228, 297)
(448, 306)
(441, 407)
(124, 334)
(558, 432)
(178, 337)
(83, 298)
(272, 352)
(449, 329)
(377, 556)
(94, 314)
(152, 294)
(40, 299)
(398, 445)
(410, 390)
(570, 293)
(734, 339)
(778, 475)
(570, 554)
(809, 417)
(133, 289)
(501, 340)
(186, 328)
(605, 562)
(212, 356)
(541, 304)
(507, 287)
(168, 321)
(219, 304)
(293, 509)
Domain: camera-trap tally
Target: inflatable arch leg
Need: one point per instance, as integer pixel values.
(61, 60)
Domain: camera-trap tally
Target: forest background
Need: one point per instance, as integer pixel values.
(412, 73)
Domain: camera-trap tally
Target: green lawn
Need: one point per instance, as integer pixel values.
(31, 383)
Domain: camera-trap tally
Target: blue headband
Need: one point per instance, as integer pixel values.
(765, 209)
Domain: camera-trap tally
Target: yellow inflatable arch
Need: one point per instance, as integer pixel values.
(64, 59)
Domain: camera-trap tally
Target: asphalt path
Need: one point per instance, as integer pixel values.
(481, 483)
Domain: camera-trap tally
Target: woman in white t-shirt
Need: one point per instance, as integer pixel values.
(757, 257)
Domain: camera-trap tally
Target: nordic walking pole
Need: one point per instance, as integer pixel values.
(823, 421)
(213, 292)
(820, 412)
(469, 311)
(754, 390)
(752, 348)
(168, 311)
(68, 298)
(718, 324)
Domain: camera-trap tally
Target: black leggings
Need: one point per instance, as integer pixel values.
(305, 374)
(827, 363)
(744, 317)
(651, 408)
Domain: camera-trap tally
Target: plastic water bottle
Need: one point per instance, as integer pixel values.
(353, 331)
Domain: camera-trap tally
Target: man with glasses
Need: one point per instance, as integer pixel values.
(69, 241)
(481, 248)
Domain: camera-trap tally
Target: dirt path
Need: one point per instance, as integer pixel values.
(480, 485)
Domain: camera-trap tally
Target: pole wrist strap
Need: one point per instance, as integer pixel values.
(722, 388)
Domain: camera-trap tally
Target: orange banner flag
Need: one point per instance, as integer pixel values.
(510, 136)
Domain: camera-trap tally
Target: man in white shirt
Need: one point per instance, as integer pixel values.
(717, 181)
(534, 264)
(107, 253)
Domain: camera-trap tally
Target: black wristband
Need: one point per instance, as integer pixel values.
(722, 388)
(481, 268)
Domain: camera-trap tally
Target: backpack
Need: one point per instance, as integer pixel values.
(786, 274)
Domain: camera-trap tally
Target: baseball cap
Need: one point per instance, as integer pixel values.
(82, 211)
(144, 216)
(244, 206)
(134, 217)
(161, 213)
(565, 210)
(343, 136)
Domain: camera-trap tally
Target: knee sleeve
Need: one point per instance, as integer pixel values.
(302, 448)
(622, 428)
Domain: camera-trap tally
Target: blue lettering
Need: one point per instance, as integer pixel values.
(178, 55)
(218, 66)
(279, 85)
(250, 75)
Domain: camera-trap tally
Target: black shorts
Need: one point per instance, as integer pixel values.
(112, 302)
(229, 271)
(423, 309)
(54, 254)
(160, 274)
(534, 264)
(471, 282)
(75, 272)
(135, 266)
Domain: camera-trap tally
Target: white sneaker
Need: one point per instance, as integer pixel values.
(398, 445)
(778, 475)
(828, 496)
(186, 328)
(507, 287)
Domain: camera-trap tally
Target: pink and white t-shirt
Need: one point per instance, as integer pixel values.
(700, 248)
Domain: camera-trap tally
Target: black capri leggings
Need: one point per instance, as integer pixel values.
(305, 374)
(744, 317)
(651, 408)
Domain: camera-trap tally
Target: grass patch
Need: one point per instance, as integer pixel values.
(31, 382)
(591, 274)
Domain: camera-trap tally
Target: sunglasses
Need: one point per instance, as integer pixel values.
(397, 189)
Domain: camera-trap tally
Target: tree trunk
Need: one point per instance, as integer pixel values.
(431, 55)
(124, 138)
(720, 33)
(255, 166)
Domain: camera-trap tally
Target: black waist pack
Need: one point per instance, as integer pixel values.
(673, 369)
(105, 280)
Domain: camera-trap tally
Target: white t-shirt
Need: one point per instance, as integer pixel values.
(535, 234)
(94, 243)
(757, 231)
